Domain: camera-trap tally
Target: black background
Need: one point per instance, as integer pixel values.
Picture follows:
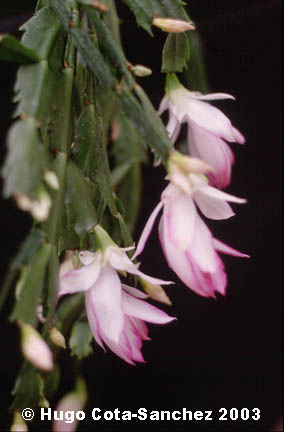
(219, 353)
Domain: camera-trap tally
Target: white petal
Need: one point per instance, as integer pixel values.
(211, 281)
(135, 292)
(152, 280)
(239, 138)
(201, 247)
(135, 341)
(212, 208)
(214, 151)
(91, 315)
(211, 96)
(180, 180)
(141, 328)
(86, 257)
(119, 260)
(67, 263)
(164, 105)
(81, 279)
(147, 230)
(223, 248)
(106, 300)
(220, 195)
(210, 118)
(179, 262)
(173, 127)
(179, 215)
(179, 105)
(122, 349)
(143, 310)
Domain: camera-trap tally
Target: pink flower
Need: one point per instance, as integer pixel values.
(116, 312)
(208, 128)
(188, 245)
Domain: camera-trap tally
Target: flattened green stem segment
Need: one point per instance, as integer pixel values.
(82, 213)
(41, 32)
(108, 44)
(146, 122)
(13, 50)
(51, 226)
(26, 307)
(84, 44)
(23, 166)
(195, 75)
(176, 53)
(62, 110)
(52, 287)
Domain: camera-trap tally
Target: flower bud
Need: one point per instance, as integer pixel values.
(172, 25)
(57, 338)
(103, 7)
(140, 70)
(35, 349)
(23, 202)
(39, 208)
(51, 179)
(73, 401)
(18, 425)
(155, 292)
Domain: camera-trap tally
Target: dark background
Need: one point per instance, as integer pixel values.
(219, 353)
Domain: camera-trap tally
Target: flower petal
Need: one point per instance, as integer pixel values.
(211, 119)
(179, 215)
(205, 115)
(81, 279)
(164, 105)
(220, 195)
(135, 341)
(179, 262)
(141, 328)
(143, 310)
(211, 96)
(91, 315)
(106, 300)
(173, 127)
(211, 281)
(122, 349)
(212, 150)
(135, 292)
(239, 138)
(201, 247)
(67, 263)
(147, 230)
(120, 261)
(212, 208)
(86, 257)
(152, 280)
(223, 248)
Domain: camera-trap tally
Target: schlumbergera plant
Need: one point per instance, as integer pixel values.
(82, 130)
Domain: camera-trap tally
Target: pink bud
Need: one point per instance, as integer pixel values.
(35, 349)
(172, 25)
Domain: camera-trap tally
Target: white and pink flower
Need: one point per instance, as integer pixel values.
(116, 312)
(189, 247)
(208, 128)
